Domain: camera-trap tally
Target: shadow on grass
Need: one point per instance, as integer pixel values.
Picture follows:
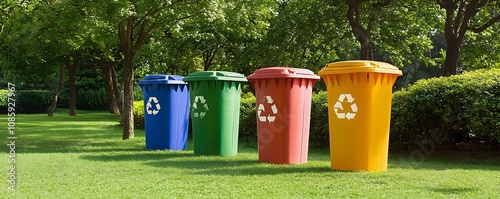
(231, 166)
(445, 160)
(138, 156)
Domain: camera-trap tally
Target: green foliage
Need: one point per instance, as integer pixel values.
(248, 118)
(482, 50)
(138, 95)
(37, 101)
(33, 101)
(91, 100)
(139, 114)
(458, 109)
(3, 101)
(319, 130)
(85, 99)
(3, 97)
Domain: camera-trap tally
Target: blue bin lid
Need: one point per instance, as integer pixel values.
(162, 79)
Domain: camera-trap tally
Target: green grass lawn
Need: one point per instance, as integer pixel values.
(84, 157)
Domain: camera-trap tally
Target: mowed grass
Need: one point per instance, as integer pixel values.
(84, 157)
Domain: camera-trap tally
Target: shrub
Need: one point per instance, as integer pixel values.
(319, 133)
(139, 114)
(3, 101)
(91, 100)
(138, 95)
(32, 101)
(248, 118)
(86, 99)
(459, 109)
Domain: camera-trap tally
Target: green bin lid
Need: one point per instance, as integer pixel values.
(283, 72)
(215, 75)
(162, 79)
(356, 66)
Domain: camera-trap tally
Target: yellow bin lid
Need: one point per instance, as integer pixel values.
(356, 66)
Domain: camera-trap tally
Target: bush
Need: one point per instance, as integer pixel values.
(3, 101)
(457, 109)
(248, 118)
(91, 100)
(32, 101)
(37, 101)
(319, 133)
(86, 99)
(139, 114)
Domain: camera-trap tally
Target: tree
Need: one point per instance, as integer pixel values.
(481, 50)
(461, 17)
(363, 30)
(136, 21)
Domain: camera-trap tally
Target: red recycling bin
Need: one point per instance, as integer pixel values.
(283, 101)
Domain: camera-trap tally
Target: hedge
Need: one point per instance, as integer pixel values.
(27, 101)
(458, 109)
(85, 100)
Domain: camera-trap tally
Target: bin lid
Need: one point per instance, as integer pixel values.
(215, 75)
(283, 72)
(162, 79)
(356, 66)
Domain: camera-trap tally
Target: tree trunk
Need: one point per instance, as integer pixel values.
(451, 60)
(116, 90)
(126, 31)
(128, 96)
(459, 15)
(361, 34)
(72, 67)
(208, 58)
(106, 65)
(52, 107)
(366, 52)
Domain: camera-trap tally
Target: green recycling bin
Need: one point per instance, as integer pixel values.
(215, 111)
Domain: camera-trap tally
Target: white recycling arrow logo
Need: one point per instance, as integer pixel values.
(269, 117)
(200, 107)
(338, 107)
(149, 106)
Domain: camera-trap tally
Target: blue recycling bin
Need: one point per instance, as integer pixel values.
(166, 111)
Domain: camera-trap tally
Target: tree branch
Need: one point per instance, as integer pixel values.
(441, 4)
(486, 25)
(460, 15)
(469, 12)
(381, 4)
(482, 3)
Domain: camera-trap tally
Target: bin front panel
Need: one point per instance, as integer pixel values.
(166, 109)
(359, 108)
(215, 113)
(283, 117)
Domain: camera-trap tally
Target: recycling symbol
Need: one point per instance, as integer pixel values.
(200, 107)
(149, 106)
(339, 108)
(269, 117)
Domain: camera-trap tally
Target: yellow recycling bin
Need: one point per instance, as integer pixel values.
(359, 113)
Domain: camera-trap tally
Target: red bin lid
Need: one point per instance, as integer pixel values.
(283, 72)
